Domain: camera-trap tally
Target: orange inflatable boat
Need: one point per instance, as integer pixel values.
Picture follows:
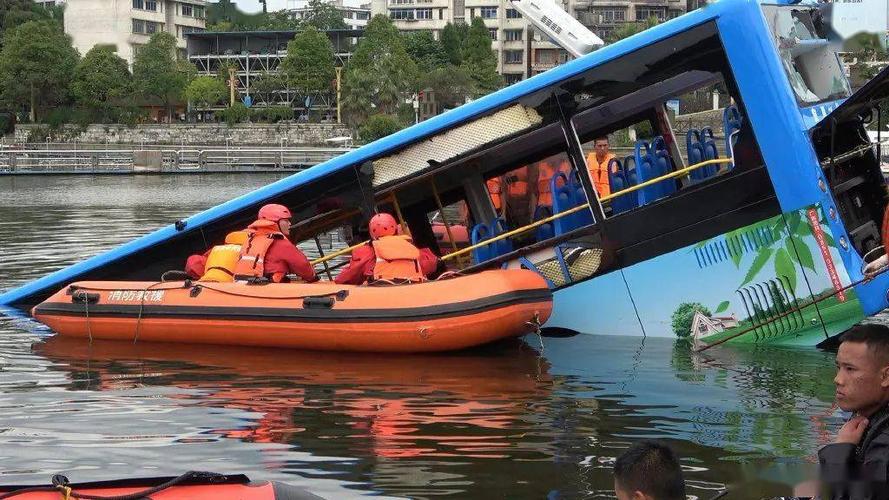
(191, 485)
(443, 315)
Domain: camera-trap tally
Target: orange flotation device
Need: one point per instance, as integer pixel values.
(397, 260)
(251, 261)
(223, 259)
(191, 485)
(428, 316)
(494, 190)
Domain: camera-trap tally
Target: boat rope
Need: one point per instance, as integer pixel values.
(796, 309)
(60, 484)
(534, 323)
(339, 294)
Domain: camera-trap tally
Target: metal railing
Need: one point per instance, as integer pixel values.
(117, 160)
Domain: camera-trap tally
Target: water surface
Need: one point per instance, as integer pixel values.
(515, 420)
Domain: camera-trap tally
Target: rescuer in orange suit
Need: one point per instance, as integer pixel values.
(387, 256)
(265, 252)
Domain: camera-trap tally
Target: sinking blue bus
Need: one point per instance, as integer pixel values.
(749, 221)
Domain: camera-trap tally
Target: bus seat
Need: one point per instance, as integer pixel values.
(568, 194)
(503, 246)
(544, 231)
(665, 165)
(481, 232)
(731, 122)
(622, 176)
(645, 170)
(695, 150)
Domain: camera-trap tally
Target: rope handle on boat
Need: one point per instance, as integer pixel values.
(797, 309)
(340, 295)
(60, 484)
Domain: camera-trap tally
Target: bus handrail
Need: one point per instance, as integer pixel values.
(535, 224)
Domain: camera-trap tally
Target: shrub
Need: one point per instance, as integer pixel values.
(378, 126)
(235, 114)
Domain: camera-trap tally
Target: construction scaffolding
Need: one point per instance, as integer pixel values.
(255, 55)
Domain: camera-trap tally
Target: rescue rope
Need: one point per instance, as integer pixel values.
(60, 485)
(339, 293)
(797, 309)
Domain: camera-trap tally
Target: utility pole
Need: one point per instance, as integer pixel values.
(339, 71)
(231, 86)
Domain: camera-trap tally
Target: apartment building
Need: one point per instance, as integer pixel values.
(128, 24)
(521, 50)
(355, 16)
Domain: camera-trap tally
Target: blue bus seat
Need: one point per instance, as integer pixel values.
(482, 232)
(568, 194)
(711, 152)
(620, 177)
(544, 231)
(695, 150)
(731, 122)
(664, 165)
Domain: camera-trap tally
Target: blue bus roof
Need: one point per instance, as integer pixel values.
(390, 143)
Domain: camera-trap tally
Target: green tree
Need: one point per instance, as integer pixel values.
(264, 87)
(378, 126)
(36, 65)
(479, 60)
(102, 81)
(451, 85)
(425, 50)
(308, 66)
(324, 16)
(205, 91)
(683, 316)
(17, 12)
(379, 74)
(157, 73)
(452, 42)
(869, 56)
(630, 29)
(272, 21)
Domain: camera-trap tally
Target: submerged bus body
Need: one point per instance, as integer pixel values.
(761, 224)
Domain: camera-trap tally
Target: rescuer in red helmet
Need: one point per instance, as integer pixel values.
(266, 250)
(388, 256)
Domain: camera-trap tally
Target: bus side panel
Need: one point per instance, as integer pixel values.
(601, 305)
(750, 277)
(816, 250)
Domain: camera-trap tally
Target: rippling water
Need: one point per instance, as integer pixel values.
(514, 420)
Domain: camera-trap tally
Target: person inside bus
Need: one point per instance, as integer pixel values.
(546, 170)
(648, 471)
(265, 252)
(518, 204)
(597, 163)
(388, 256)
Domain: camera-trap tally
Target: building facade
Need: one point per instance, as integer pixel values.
(355, 16)
(521, 50)
(128, 24)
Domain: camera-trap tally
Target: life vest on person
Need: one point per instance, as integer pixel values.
(545, 173)
(221, 262)
(494, 190)
(397, 259)
(251, 260)
(517, 183)
(599, 173)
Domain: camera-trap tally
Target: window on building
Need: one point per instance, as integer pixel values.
(349, 15)
(187, 10)
(493, 33)
(512, 35)
(401, 2)
(674, 13)
(152, 28)
(151, 5)
(139, 4)
(198, 12)
(362, 16)
(137, 47)
(644, 12)
(608, 14)
(511, 78)
(401, 14)
(138, 26)
(513, 56)
(513, 14)
(424, 13)
(488, 12)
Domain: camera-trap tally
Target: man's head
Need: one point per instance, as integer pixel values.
(862, 378)
(381, 225)
(278, 214)
(648, 471)
(601, 145)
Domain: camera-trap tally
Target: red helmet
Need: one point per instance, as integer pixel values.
(274, 212)
(382, 225)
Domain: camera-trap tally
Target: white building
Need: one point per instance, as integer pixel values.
(521, 50)
(355, 15)
(128, 24)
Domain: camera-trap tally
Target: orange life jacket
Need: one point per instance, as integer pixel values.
(494, 190)
(251, 262)
(397, 259)
(545, 173)
(222, 259)
(517, 182)
(599, 173)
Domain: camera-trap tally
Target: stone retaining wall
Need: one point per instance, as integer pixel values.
(312, 134)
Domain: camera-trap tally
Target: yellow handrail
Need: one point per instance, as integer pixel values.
(535, 224)
(338, 253)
